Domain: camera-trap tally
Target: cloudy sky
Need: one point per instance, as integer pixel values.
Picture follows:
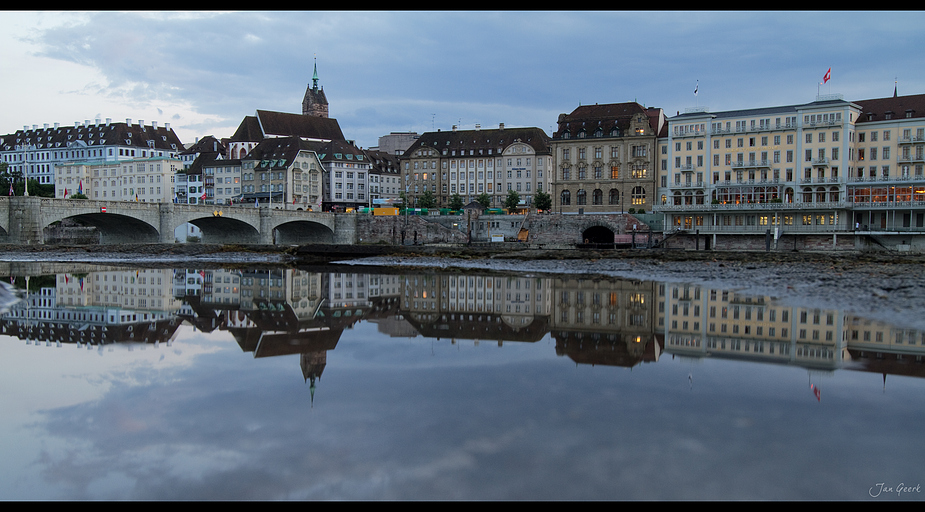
(420, 71)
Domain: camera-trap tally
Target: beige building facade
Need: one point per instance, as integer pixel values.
(475, 162)
(149, 180)
(604, 158)
(826, 167)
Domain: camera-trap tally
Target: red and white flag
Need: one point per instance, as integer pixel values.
(828, 75)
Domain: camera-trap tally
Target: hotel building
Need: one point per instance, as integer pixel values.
(822, 168)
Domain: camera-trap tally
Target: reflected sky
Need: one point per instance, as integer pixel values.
(197, 416)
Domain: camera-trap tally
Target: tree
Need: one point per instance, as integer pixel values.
(513, 199)
(456, 202)
(427, 200)
(484, 200)
(542, 201)
(78, 196)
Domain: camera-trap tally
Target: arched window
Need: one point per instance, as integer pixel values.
(582, 197)
(597, 197)
(614, 196)
(566, 198)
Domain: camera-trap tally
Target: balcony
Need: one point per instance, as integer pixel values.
(827, 205)
(886, 179)
(820, 162)
(751, 164)
(689, 184)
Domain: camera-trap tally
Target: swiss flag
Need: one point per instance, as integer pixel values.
(828, 75)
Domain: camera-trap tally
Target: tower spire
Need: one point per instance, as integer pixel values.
(315, 76)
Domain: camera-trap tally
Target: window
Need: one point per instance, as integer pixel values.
(639, 195)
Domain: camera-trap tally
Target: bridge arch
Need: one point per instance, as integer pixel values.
(115, 228)
(220, 230)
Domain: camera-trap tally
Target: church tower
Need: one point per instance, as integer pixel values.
(315, 103)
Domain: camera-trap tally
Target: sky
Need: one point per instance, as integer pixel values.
(383, 72)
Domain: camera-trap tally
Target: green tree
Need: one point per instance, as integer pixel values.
(77, 196)
(427, 200)
(456, 202)
(542, 201)
(484, 200)
(512, 200)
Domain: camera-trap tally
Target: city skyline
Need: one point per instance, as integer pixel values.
(422, 71)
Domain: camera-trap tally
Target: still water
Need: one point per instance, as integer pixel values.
(274, 384)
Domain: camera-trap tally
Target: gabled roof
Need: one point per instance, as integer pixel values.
(279, 152)
(606, 117)
(268, 123)
(248, 131)
(205, 144)
(108, 134)
(898, 106)
(482, 140)
(383, 162)
(282, 124)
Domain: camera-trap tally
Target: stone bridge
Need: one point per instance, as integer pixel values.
(23, 220)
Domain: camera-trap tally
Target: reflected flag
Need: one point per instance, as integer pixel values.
(11, 188)
(816, 392)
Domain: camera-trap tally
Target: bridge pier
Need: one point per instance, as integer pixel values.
(25, 221)
(166, 228)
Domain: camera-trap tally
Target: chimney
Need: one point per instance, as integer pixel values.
(141, 123)
(454, 127)
(108, 120)
(46, 126)
(501, 126)
(128, 121)
(57, 125)
(167, 126)
(478, 126)
(154, 124)
(97, 121)
(86, 122)
(76, 124)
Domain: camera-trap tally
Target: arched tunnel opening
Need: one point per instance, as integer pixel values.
(598, 235)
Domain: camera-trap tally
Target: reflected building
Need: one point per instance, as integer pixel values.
(609, 322)
(477, 307)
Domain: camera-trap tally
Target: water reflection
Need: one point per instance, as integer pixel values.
(614, 322)
(314, 315)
